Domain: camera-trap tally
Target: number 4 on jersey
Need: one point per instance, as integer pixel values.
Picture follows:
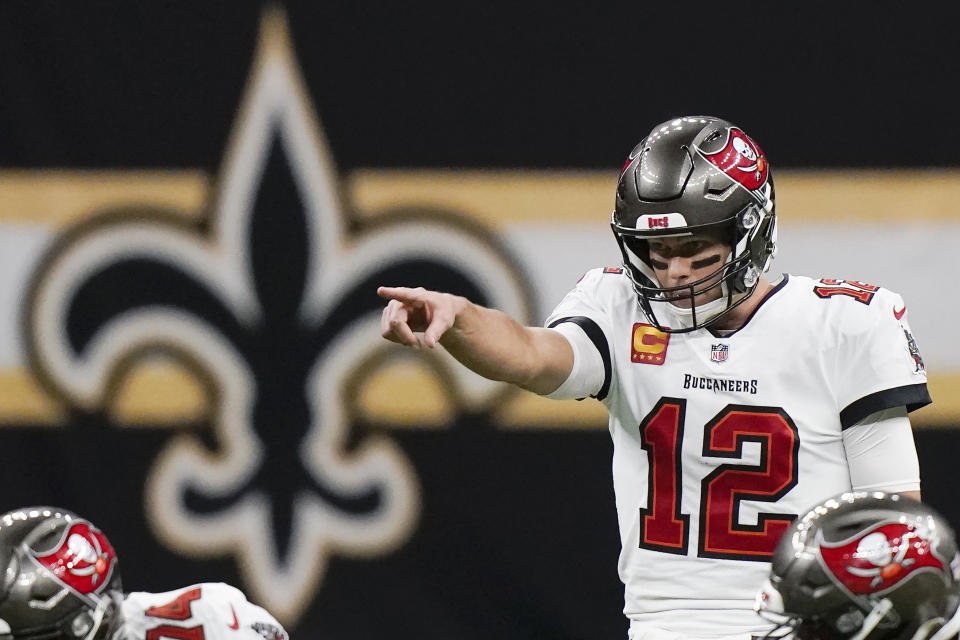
(180, 608)
(662, 525)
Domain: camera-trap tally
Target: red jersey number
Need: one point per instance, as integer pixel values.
(859, 291)
(175, 633)
(180, 608)
(664, 528)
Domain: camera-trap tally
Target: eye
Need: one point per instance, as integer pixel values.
(706, 262)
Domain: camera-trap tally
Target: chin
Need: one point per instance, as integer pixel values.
(700, 303)
(687, 304)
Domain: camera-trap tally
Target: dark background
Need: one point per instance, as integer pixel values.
(518, 536)
(504, 84)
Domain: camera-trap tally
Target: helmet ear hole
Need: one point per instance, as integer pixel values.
(763, 245)
(849, 621)
(81, 625)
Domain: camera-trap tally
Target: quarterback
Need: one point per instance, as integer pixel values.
(61, 580)
(734, 401)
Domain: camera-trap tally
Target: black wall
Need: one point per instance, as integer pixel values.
(530, 84)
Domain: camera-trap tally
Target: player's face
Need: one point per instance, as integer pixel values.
(681, 260)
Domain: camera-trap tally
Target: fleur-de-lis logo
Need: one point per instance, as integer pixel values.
(272, 301)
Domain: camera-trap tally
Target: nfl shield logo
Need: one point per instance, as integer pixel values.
(718, 352)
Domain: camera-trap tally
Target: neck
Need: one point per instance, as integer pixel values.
(738, 316)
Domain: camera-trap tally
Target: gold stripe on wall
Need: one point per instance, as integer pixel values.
(400, 395)
(505, 197)
(22, 401)
(56, 198)
(497, 197)
(895, 195)
(160, 392)
(151, 393)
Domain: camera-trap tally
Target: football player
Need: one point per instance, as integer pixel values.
(865, 566)
(734, 401)
(61, 581)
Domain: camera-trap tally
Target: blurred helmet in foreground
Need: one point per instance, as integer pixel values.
(865, 566)
(60, 578)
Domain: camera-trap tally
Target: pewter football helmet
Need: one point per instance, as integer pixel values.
(697, 174)
(60, 578)
(865, 566)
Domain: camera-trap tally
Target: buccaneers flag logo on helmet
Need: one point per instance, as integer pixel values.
(83, 559)
(880, 558)
(741, 159)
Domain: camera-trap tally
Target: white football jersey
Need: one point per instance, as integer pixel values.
(720, 442)
(208, 611)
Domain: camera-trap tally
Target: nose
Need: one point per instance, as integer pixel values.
(678, 270)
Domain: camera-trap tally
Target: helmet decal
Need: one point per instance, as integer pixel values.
(83, 559)
(878, 559)
(741, 159)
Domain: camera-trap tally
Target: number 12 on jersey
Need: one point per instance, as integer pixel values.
(662, 525)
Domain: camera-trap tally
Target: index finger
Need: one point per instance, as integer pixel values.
(403, 294)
